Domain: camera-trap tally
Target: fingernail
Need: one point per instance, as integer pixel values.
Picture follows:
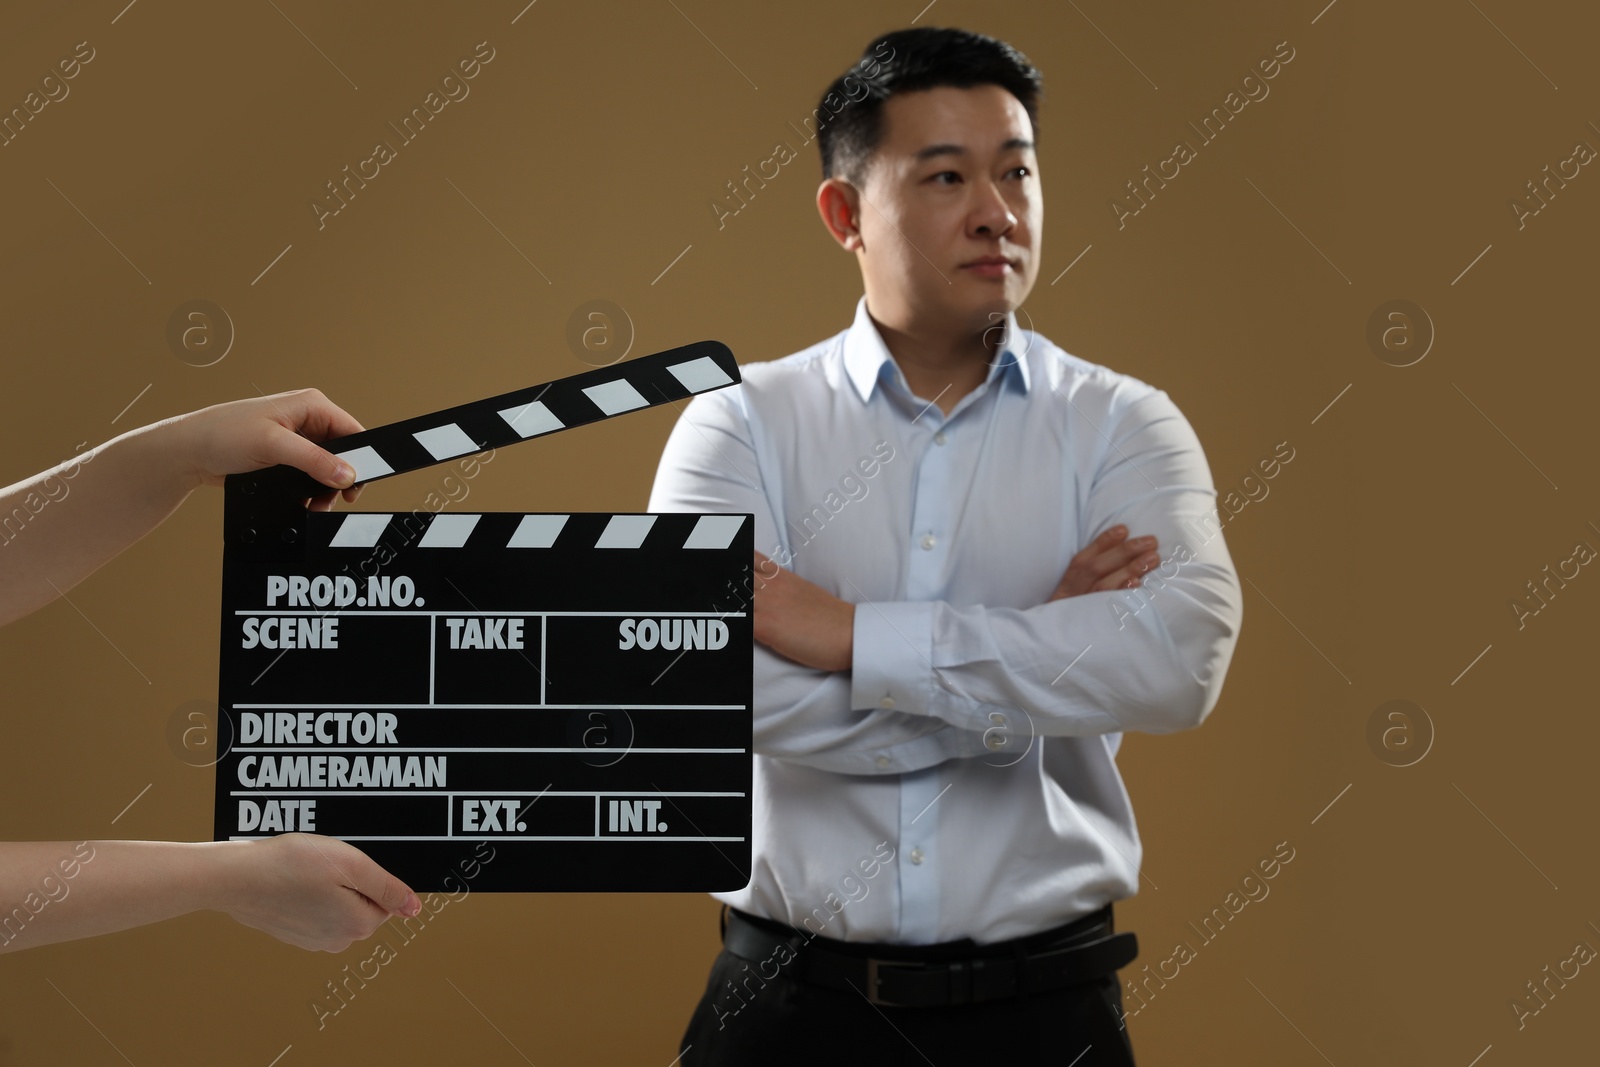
(346, 473)
(1119, 530)
(412, 906)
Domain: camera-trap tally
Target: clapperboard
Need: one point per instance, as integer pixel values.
(574, 688)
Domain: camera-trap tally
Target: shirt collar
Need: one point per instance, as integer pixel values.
(867, 359)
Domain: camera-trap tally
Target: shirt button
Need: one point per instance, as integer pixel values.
(998, 719)
(886, 702)
(882, 762)
(928, 541)
(916, 855)
(938, 438)
(996, 741)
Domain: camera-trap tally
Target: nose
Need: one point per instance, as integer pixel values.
(991, 215)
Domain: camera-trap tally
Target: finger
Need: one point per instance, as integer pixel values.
(286, 446)
(1104, 541)
(382, 888)
(368, 918)
(366, 914)
(361, 874)
(1129, 576)
(326, 501)
(1123, 554)
(1132, 551)
(1112, 535)
(316, 417)
(766, 570)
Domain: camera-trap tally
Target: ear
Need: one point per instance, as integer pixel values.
(839, 204)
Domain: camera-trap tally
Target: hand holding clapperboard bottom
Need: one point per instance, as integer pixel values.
(561, 700)
(581, 732)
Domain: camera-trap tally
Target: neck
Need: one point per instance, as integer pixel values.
(940, 364)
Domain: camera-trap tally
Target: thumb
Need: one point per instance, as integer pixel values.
(286, 446)
(385, 890)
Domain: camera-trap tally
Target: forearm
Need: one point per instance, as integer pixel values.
(59, 526)
(803, 716)
(1073, 667)
(54, 891)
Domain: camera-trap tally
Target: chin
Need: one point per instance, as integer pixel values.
(982, 315)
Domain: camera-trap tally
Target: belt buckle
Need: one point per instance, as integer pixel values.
(872, 982)
(960, 973)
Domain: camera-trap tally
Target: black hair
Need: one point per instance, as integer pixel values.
(850, 116)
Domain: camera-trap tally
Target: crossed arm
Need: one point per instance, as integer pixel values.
(1155, 662)
(804, 622)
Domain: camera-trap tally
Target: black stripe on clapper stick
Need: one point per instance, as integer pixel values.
(262, 508)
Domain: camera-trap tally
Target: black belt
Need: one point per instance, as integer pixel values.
(936, 975)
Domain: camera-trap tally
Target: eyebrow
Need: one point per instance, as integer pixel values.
(961, 150)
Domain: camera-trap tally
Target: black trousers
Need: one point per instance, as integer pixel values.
(786, 1021)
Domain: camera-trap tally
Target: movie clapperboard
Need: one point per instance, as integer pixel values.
(573, 688)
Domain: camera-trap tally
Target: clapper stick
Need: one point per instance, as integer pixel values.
(263, 507)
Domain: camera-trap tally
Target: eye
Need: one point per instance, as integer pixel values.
(1024, 171)
(945, 173)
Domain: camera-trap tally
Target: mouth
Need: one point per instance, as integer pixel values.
(991, 266)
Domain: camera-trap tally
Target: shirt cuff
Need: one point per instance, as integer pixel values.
(892, 657)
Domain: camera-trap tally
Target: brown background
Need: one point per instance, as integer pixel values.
(1380, 565)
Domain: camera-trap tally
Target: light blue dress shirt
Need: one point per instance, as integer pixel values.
(960, 780)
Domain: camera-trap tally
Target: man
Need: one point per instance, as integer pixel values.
(950, 643)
